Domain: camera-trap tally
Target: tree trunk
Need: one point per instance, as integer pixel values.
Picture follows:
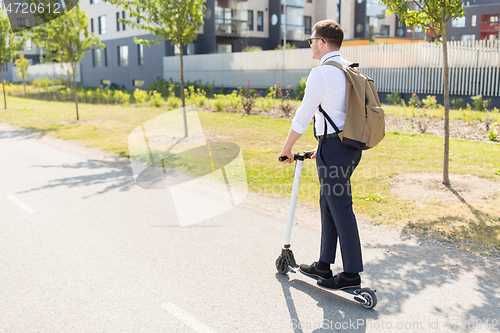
(24, 84)
(183, 97)
(3, 86)
(73, 68)
(446, 178)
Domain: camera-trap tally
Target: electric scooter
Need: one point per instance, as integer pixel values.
(286, 261)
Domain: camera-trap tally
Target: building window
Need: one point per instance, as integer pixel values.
(338, 11)
(310, 1)
(123, 55)
(250, 20)
(137, 83)
(494, 19)
(466, 38)
(105, 51)
(307, 24)
(385, 30)
(473, 21)
(92, 25)
(224, 48)
(102, 25)
(458, 23)
(117, 21)
(140, 53)
(93, 1)
(28, 46)
(260, 21)
(123, 24)
(96, 57)
(191, 49)
(5, 68)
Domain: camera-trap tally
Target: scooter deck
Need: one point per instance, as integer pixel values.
(352, 293)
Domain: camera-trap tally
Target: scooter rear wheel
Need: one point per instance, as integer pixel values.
(370, 297)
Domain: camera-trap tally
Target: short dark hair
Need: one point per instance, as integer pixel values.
(330, 31)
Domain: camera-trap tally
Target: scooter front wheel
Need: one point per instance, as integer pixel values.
(282, 265)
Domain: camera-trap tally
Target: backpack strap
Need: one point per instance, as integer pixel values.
(327, 117)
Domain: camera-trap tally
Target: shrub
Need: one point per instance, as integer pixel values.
(430, 102)
(248, 100)
(141, 96)
(43, 82)
(394, 98)
(252, 49)
(285, 106)
(480, 103)
(173, 101)
(219, 102)
(493, 135)
(300, 88)
(457, 104)
(155, 99)
(415, 101)
(120, 97)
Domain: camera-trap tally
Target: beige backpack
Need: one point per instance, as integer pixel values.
(364, 123)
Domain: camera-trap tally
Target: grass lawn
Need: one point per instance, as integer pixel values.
(476, 227)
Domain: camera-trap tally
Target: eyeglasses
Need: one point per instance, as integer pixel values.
(310, 40)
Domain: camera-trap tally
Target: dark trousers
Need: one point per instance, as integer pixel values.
(336, 163)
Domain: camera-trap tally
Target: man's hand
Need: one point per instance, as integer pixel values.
(288, 154)
(313, 157)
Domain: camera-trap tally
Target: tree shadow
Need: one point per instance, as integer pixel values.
(400, 274)
(116, 179)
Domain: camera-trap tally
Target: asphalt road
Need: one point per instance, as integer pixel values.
(83, 249)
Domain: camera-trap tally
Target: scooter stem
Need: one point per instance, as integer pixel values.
(299, 163)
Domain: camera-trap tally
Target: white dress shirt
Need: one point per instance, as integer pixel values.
(326, 85)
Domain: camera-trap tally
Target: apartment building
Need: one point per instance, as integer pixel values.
(480, 22)
(229, 26)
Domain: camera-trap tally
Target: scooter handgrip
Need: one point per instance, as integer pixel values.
(282, 158)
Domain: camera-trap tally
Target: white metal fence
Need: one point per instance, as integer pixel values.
(407, 68)
(51, 71)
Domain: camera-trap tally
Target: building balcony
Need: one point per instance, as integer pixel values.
(293, 32)
(293, 3)
(490, 27)
(231, 27)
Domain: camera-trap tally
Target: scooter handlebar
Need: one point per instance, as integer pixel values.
(298, 156)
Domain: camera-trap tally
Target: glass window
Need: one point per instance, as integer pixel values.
(250, 20)
(92, 25)
(96, 56)
(310, 1)
(468, 37)
(123, 24)
(123, 55)
(117, 21)
(140, 53)
(224, 48)
(458, 23)
(28, 46)
(338, 11)
(105, 51)
(473, 20)
(138, 83)
(102, 25)
(307, 24)
(191, 49)
(260, 21)
(494, 19)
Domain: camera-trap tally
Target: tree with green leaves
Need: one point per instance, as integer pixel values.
(66, 39)
(10, 45)
(22, 65)
(174, 20)
(432, 15)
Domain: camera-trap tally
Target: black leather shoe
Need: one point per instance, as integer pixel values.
(314, 272)
(340, 281)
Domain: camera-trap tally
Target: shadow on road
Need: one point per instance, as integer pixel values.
(401, 274)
